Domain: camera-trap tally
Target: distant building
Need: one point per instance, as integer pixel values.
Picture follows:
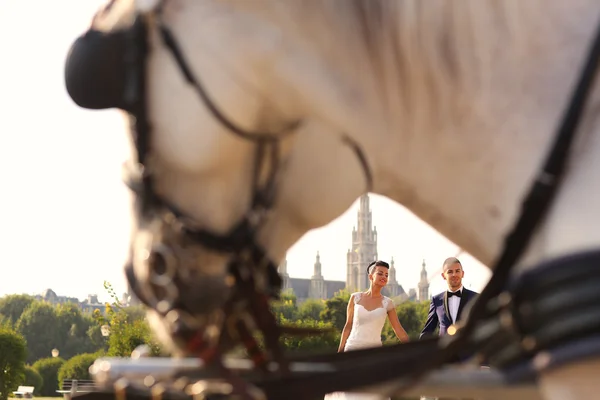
(91, 304)
(127, 300)
(393, 289)
(51, 297)
(423, 284)
(88, 305)
(363, 250)
(314, 288)
(412, 295)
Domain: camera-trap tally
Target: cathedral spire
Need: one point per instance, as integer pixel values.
(364, 203)
(423, 283)
(364, 247)
(393, 288)
(317, 267)
(392, 271)
(317, 288)
(364, 216)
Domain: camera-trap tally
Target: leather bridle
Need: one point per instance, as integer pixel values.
(252, 275)
(255, 276)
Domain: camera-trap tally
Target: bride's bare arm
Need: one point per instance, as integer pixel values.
(397, 327)
(348, 325)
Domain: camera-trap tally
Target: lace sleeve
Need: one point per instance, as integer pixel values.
(388, 304)
(356, 297)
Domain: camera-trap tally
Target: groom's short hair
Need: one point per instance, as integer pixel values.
(451, 261)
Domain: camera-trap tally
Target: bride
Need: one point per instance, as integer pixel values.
(366, 315)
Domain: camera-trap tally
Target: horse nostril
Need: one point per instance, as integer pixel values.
(162, 265)
(158, 264)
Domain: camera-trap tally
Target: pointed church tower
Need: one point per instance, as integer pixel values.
(317, 283)
(423, 284)
(285, 277)
(364, 248)
(350, 284)
(393, 289)
(392, 272)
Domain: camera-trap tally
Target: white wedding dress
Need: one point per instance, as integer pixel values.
(366, 332)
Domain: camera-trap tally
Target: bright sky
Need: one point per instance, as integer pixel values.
(64, 211)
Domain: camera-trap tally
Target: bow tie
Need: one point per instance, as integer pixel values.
(457, 294)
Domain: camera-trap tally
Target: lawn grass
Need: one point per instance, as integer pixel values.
(38, 398)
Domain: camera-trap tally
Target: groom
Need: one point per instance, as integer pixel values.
(446, 308)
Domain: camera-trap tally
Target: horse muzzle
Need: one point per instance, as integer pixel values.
(168, 272)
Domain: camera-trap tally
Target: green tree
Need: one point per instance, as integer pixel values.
(40, 326)
(126, 335)
(48, 368)
(5, 322)
(412, 316)
(94, 332)
(33, 378)
(63, 326)
(128, 328)
(13, 352)
(311, 309)
(286, 306)
(423, 310)
(13, 305)
(136, 312)
(328, 340)
(74, 331)
(335, 309)
(77, 367)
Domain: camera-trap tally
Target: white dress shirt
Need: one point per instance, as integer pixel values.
(454, 303)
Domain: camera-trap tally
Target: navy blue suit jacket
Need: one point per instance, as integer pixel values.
(440, 315)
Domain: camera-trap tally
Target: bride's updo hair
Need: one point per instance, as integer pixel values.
(377, 263)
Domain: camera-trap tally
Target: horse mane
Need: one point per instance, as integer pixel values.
(421, 57)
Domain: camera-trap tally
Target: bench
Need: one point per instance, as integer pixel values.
(73, 386)
(24, 391)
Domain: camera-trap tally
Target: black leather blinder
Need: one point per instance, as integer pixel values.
(95, 70)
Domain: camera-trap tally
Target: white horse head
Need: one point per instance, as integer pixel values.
(205, 170)
(451, 106)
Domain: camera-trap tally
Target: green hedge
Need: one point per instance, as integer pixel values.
(13, 352)
(33, 378)
(48, 369)
(77, 367)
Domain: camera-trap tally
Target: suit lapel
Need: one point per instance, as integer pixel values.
(461, 305)
(446, 309)
(466, 296)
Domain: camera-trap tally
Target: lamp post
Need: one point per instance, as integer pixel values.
(105, 330)
(55, 353)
